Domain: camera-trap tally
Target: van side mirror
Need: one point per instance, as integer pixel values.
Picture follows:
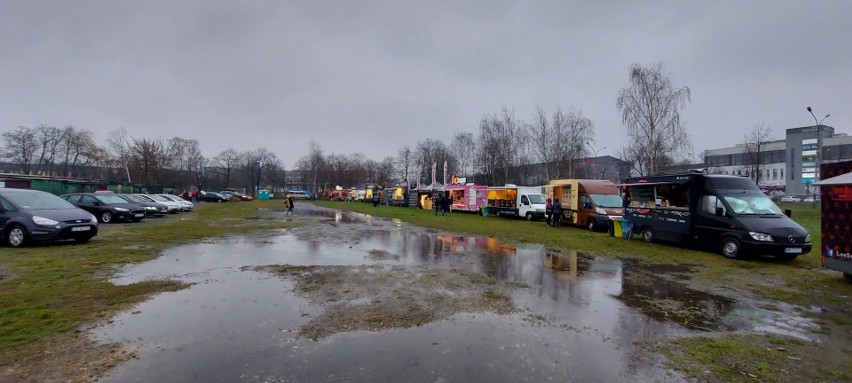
(587, 205)
(720, 212)
(788, 213)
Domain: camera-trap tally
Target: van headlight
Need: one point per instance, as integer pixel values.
(121, 209)
(44, 221)
(808, 238)
(762, 237)
(94, 219)
(600, 210)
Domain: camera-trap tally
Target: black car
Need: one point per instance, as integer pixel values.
(152, 209)
(106, 207)
(213, 197)
(32, 215)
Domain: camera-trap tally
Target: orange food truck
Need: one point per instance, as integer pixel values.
(836, 217)
(586, 203)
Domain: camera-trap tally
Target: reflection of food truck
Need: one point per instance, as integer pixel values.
(836, 200)
(519, 201)
(468, 197)
(588, 203)
(728, 212)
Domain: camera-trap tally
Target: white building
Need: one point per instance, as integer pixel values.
(788, 165)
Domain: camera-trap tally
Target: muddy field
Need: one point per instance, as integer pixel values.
(349, 297)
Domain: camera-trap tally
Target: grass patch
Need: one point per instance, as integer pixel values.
(51, 290)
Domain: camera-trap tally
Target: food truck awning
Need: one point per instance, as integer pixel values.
(653, 183)
(843, 179)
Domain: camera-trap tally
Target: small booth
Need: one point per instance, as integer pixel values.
(836, 216)
(427, 193)
(397, 196)
(469, 197)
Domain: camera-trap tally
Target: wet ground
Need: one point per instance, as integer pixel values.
(349, 297)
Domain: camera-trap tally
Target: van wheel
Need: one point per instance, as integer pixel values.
(16, 236)
(731, 248)
(592, 226)
(529, 217)
(647, 234)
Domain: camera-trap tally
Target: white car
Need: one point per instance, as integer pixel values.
(184, 204)
(790, 198)
(174, 207)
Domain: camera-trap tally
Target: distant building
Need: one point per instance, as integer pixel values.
(790, 165)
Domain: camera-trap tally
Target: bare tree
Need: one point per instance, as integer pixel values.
(120, 150)
(463, 149)
(78, 150)
(755, 144)
(227, 161)
(405, 160)
(541, 140)
(386, 174)
(650, 111)
(21, 147)
(256, 162)
(49, 139)
(148, 158)
(578, 131)
(435, 152)
(315, 163)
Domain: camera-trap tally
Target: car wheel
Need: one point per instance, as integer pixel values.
(647, 234)
(592, 226)
(16, 236)
(731, 248)
(106, 217)
(529, 217)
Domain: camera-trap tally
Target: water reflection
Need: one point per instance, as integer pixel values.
(581, 315)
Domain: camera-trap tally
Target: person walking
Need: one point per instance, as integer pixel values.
(289, 204)
(548, 211)
(375, 199)
(445, 204)
(557, 212)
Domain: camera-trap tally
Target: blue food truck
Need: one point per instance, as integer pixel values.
(729, 213)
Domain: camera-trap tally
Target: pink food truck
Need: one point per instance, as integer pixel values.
(467, 197)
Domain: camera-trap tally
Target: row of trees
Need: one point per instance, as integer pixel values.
(505, 149)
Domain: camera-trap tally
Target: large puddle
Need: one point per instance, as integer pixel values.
(575, 317)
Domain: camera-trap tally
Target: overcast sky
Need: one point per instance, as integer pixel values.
(372, 77)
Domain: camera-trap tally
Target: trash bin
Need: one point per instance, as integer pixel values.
(615, 227)
(263, 195)
(627, 228)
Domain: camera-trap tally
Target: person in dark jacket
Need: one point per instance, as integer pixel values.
(548, 211)
(557, 212)
(445, 204)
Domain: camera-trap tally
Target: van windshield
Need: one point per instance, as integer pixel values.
(536, 198)
(39, 201)
(752, 204)
(606, 200)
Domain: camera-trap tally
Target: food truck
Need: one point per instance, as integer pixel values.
(426, 194)
(726, 212)
(586, 203)
(398, 195)
(836, 216)
(468, 197)
(517, 201)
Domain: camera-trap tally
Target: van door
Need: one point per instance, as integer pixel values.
(709, 226)
(586, 210)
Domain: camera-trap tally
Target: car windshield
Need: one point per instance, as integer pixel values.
(111, 199)
(39, 201)
(159, 198)
(536, 198)
(606, 200)
(752, 204)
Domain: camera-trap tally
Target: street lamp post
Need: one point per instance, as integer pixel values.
(819, 151)
(595, 152)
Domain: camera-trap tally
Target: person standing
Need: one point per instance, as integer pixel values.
(557, 212)
(548, 211)
(289, 204)
(445, 204)
(375, 199)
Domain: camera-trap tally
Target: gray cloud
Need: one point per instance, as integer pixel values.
(372, 77)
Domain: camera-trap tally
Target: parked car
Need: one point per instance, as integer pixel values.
(231, 194)
(212, 197)
(152, 209)
(790, 198)
(300, 194)
(173, 206)
(184, 204)
(106, 207)
(32, 215)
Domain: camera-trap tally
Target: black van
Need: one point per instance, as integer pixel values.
(728, 212)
